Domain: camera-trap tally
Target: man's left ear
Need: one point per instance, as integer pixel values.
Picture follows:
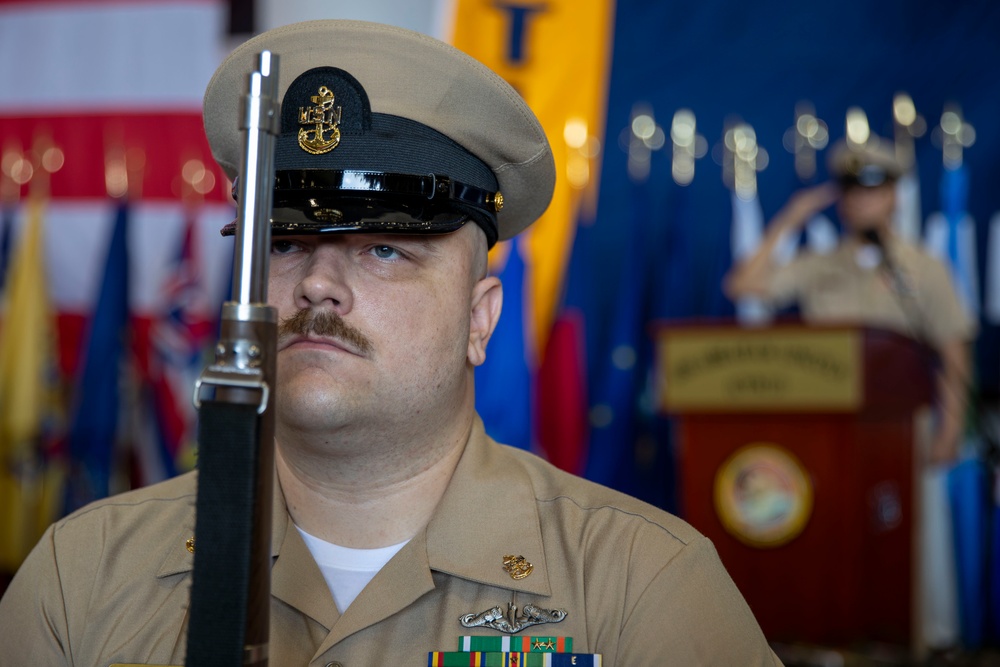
(487, 301)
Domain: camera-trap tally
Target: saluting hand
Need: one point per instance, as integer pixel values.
(806, 203)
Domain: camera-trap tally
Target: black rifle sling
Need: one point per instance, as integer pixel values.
(228, 448)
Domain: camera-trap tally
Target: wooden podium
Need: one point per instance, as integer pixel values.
(796, 460)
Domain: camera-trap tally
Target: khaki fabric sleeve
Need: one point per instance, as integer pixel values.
(945, 318)
(786, 282)
(692, 614)
(33, 624)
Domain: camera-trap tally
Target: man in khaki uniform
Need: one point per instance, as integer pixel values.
(398, 525)
(873, 277)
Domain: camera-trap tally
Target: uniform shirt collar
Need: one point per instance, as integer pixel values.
(487, 512)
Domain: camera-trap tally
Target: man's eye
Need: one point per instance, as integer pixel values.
(282, 247)
(385, 252)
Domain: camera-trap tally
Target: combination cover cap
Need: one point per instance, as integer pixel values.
(386, 130)
(868, 165)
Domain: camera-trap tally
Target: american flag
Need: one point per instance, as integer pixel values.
(115, 87)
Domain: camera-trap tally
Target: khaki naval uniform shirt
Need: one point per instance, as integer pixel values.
(920, 302)
(110, 583)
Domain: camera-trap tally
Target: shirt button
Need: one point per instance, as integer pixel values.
(334, 664)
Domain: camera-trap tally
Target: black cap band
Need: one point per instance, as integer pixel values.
(316, 201)
(866, 176)
(339, 167)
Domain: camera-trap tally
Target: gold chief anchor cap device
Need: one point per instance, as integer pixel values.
(385, 130)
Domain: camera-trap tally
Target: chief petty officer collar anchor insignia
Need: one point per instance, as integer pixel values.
(324, 117)
(512, 622)
(517, 567)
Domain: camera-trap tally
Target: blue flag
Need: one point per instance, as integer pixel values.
(615, 373)
(673, 296)
(961, 235)
(94, 423)
(6, 232)
(969, 491)
(673, 299)
(951, 236)
(993, 607)
(503, 381)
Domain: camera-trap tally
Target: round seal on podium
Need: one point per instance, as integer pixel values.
(763, 495)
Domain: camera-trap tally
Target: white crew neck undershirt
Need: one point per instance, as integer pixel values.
(347, 571)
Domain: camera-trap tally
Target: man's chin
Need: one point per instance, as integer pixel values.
(306, 414)
(312, 394)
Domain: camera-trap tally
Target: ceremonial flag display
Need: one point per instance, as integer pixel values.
(127, 117)
(504, 382)
(6, 233)
(615, 376)
(938, 576)
(93, 431)
(970, 499)
(556, 54)
(169, 347)
(908, 218)
(29, 479)
(562, 379)
(951, 236)
(747, 233)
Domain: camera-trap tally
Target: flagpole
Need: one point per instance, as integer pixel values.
(743, 158)
(908, 125)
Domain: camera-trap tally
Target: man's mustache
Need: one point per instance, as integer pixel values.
(326, 324)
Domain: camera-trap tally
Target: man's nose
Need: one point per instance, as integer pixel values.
(324, 282)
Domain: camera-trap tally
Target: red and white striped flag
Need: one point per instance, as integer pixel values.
(103, 81)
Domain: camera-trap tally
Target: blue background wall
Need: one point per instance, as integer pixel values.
(756, 60)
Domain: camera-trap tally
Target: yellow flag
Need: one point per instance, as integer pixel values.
(26, 359)
(557, 55)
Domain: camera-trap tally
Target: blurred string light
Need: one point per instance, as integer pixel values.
(688, 146)
(52, 159)
(908, 125)
(115, 173)
(741, 158)
(123, 169)
(583, 149)
(953, 135)
(808, 135)
(644, 127)
(904, 113)
(46, 158)
(16, 169)
(857, 129)
(197, 178)
(639, 140)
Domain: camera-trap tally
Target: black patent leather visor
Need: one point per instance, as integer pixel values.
(319, 201)
(868, 176)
